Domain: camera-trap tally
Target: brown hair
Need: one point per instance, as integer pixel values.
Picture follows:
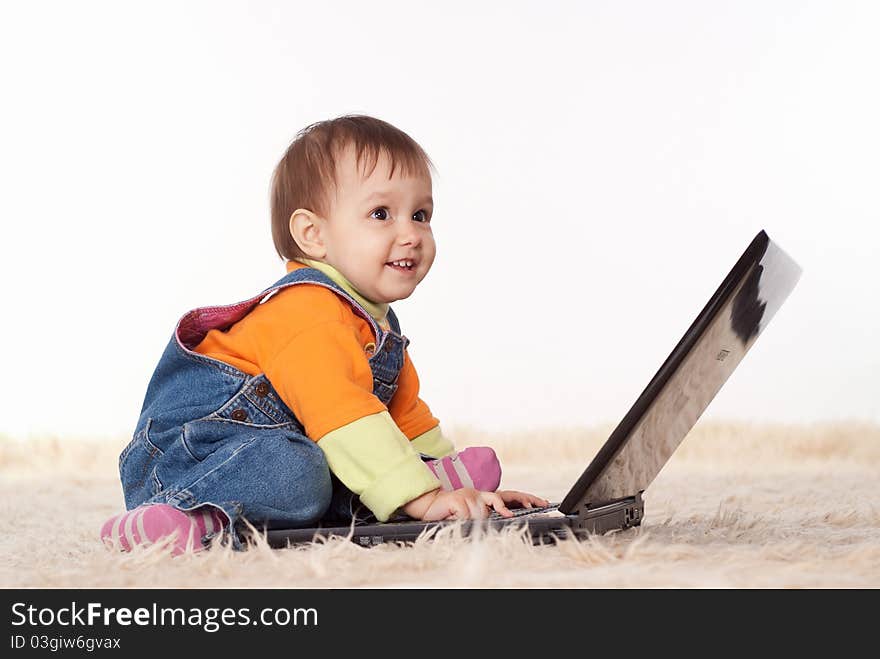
(307, 171)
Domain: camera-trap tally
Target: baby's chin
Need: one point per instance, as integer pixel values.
(389, 295)
(388, 299)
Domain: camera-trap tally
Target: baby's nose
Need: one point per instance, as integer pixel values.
(408, 235)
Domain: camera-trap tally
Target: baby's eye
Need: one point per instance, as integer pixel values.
(383, 211)
(421, 216)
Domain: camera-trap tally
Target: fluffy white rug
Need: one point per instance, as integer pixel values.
(737, 506)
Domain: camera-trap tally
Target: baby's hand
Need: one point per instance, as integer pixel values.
(466, 503)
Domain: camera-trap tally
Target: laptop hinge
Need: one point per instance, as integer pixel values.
(609, 516)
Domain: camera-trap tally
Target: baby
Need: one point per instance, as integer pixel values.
(300, 406)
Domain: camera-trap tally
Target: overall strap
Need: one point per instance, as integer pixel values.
(392, 320)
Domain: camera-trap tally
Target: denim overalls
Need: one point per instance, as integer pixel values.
(211, 434)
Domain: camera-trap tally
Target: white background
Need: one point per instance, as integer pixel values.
(601, 167)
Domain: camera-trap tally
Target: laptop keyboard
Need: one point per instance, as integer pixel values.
(521, 512)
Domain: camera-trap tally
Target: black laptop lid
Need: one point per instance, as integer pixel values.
(690, 377)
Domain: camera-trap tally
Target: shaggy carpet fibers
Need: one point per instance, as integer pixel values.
(738, 506)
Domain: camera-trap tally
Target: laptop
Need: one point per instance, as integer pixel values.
(608, 495)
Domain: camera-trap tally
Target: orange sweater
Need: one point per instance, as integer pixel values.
(314, 349)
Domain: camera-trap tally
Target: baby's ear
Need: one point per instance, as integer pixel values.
(305, 228)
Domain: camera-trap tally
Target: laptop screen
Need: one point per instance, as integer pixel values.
(688, 380)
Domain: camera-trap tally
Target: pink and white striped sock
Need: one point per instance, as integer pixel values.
(475, 467)
(150, 523)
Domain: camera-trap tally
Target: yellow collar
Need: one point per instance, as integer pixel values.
(377, 310)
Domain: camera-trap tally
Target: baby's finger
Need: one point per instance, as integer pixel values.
(532, 499)
(521, 498)
(494, 500)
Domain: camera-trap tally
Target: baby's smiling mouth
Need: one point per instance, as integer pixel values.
(403, 265)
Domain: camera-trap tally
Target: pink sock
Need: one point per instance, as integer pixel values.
(475, 467)
(150, 523)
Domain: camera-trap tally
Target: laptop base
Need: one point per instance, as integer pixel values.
(543, 528)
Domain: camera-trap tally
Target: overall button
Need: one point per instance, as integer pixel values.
(262, 390)
(370, 349)
(239, 415)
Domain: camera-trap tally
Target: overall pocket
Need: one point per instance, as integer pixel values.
(205, 437)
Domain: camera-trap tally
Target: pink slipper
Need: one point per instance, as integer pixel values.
(475, 467)
(150, 523)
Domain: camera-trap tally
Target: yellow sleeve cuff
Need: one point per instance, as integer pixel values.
(376, 461)
(433, 443)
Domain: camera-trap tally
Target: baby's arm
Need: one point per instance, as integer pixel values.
(375, 460)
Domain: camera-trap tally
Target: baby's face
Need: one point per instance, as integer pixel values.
(376, 221)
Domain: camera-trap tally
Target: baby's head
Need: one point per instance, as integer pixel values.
(355, 192)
